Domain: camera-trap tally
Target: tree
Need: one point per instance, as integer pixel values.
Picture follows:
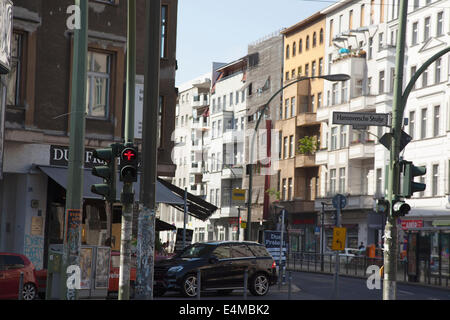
(307, 145)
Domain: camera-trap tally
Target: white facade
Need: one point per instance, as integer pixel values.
(191, 129)
(225, 150)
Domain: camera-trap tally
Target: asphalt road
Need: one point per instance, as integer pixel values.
(315, 286)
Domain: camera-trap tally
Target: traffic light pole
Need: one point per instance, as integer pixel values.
(147, 209)
(127, 190)
(74, 192)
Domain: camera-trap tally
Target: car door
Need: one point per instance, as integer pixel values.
(3, 290)
(218, 274)
(11, 275)
(242, 259)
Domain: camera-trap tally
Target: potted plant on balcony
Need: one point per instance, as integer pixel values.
(307, 145)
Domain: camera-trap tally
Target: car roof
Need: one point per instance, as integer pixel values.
(216, 243)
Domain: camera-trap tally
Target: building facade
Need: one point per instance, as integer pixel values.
(38, 114)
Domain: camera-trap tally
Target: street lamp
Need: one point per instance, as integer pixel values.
(328, 77)
(283, 211)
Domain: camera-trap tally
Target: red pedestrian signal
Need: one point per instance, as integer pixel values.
(129, 164)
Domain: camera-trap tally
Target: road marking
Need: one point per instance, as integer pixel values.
(406, 292)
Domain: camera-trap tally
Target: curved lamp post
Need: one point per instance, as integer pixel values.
(330, 77)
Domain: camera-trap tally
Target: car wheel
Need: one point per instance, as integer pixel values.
(29, 292)
(259, 285)
(189, 286)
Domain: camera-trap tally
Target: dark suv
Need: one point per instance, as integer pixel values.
(222, 267)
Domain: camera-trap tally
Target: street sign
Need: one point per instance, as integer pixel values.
(238, 196)
(272, 243)
(339, 201)
(361, 118)
(405, 138)
(338, 239)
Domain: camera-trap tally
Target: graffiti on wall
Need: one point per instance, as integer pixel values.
(34, 250)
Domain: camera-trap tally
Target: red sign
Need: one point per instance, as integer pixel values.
(303, 221)
(407, 224)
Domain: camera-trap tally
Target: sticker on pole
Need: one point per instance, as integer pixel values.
(338, 239)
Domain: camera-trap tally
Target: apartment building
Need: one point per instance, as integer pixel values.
(225, 146)
(355, 44)
(264, 78)
(192, 127)
(298, 177)
(37, 115)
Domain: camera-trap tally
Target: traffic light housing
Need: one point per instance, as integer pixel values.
(382, 206)
(107, 172)
(129, 164)
(407, 174)
(400, 208)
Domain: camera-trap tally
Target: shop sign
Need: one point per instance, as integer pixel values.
(437, 223)
(303, 221)
(6, 19)
(59, 156)
(408, 224)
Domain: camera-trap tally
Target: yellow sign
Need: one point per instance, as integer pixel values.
(238, 195)
(243, 225)
(338, 239)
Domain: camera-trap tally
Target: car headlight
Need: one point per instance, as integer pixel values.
(175, 269)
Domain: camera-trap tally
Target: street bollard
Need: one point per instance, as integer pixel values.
(289, 285)
(284, 275)
(245, 283)
(21, 286)
(198, 284)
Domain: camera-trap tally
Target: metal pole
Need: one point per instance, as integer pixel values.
(147, 212)
(281, 250)
(390, 252)
(185, 218)
(290, 285)
(239, 224)
(337, 260)
(74, 192)
(199, 277)
(322, 233)
(245, 283)
(127, 190)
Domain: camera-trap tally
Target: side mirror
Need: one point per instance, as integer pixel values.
(213, 260)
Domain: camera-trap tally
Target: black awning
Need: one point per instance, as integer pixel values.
(197, 207)
(163, 226)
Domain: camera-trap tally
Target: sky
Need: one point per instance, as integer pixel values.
(221, 30)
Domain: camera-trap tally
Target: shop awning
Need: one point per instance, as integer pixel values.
(166, 192)
(163, 226)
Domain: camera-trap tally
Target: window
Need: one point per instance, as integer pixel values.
(334, 138)
(218, 194)
(369, 85)
(299, 71)
(370, 48)
(415, 38)
(14, 77)
(306, 70)
(314, 40)
(313, 103)
(285, 149)
(434, 188)
(379, 183)
(321, 36)
(241, 251)
(287, 76)
(287, 52)
(423, 129)
(381, 82)
(231, 99)
(333, 181)
(426, 29)
(425, 78)
(436, 120)
(358, 88)
(320, 66)
(361, 16)
(381, 11)
(330, 43)
(291, 147)
(416, 4)
(224, 102)
(98, 83)
(342, 180)
(300, 46)
(290, 188)
(219, 128)
(294, 49)
(293, 107)
(380, 41)
(219, 104)
(344, 91)
(372, 11)
(222, 252)
(413, 71)
(335, 93)
(164, 31)
(243, 96)
(293, 73)
(439, 26)
(391, 82)
(412, 123)
(437, 71)
(350, 19)
(319, 100)
(307, 43)
(343, 138)
(286, 108)
(284, 190)
(313, 69)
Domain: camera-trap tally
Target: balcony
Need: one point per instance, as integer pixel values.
(200, 125)
(354, 202)
(362, 103)
(199, 103)
(302, 160)
(232, 173)
(362, 150)
(307, 119)
(321, 157)
(323, 114)
(298, 205)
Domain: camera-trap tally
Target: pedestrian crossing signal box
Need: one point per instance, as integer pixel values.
(339, 235)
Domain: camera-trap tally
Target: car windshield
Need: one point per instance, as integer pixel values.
(197, 250)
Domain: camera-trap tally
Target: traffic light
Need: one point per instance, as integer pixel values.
(400, 208)
(129, 164)
(382, 206)
(107, 171)
(407, 174)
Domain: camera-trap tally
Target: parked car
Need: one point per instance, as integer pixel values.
(347, 256)
(11, 266)
(222, 266)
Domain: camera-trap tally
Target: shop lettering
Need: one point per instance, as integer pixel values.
(60, 157)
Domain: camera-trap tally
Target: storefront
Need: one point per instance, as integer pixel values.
(303, 233)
